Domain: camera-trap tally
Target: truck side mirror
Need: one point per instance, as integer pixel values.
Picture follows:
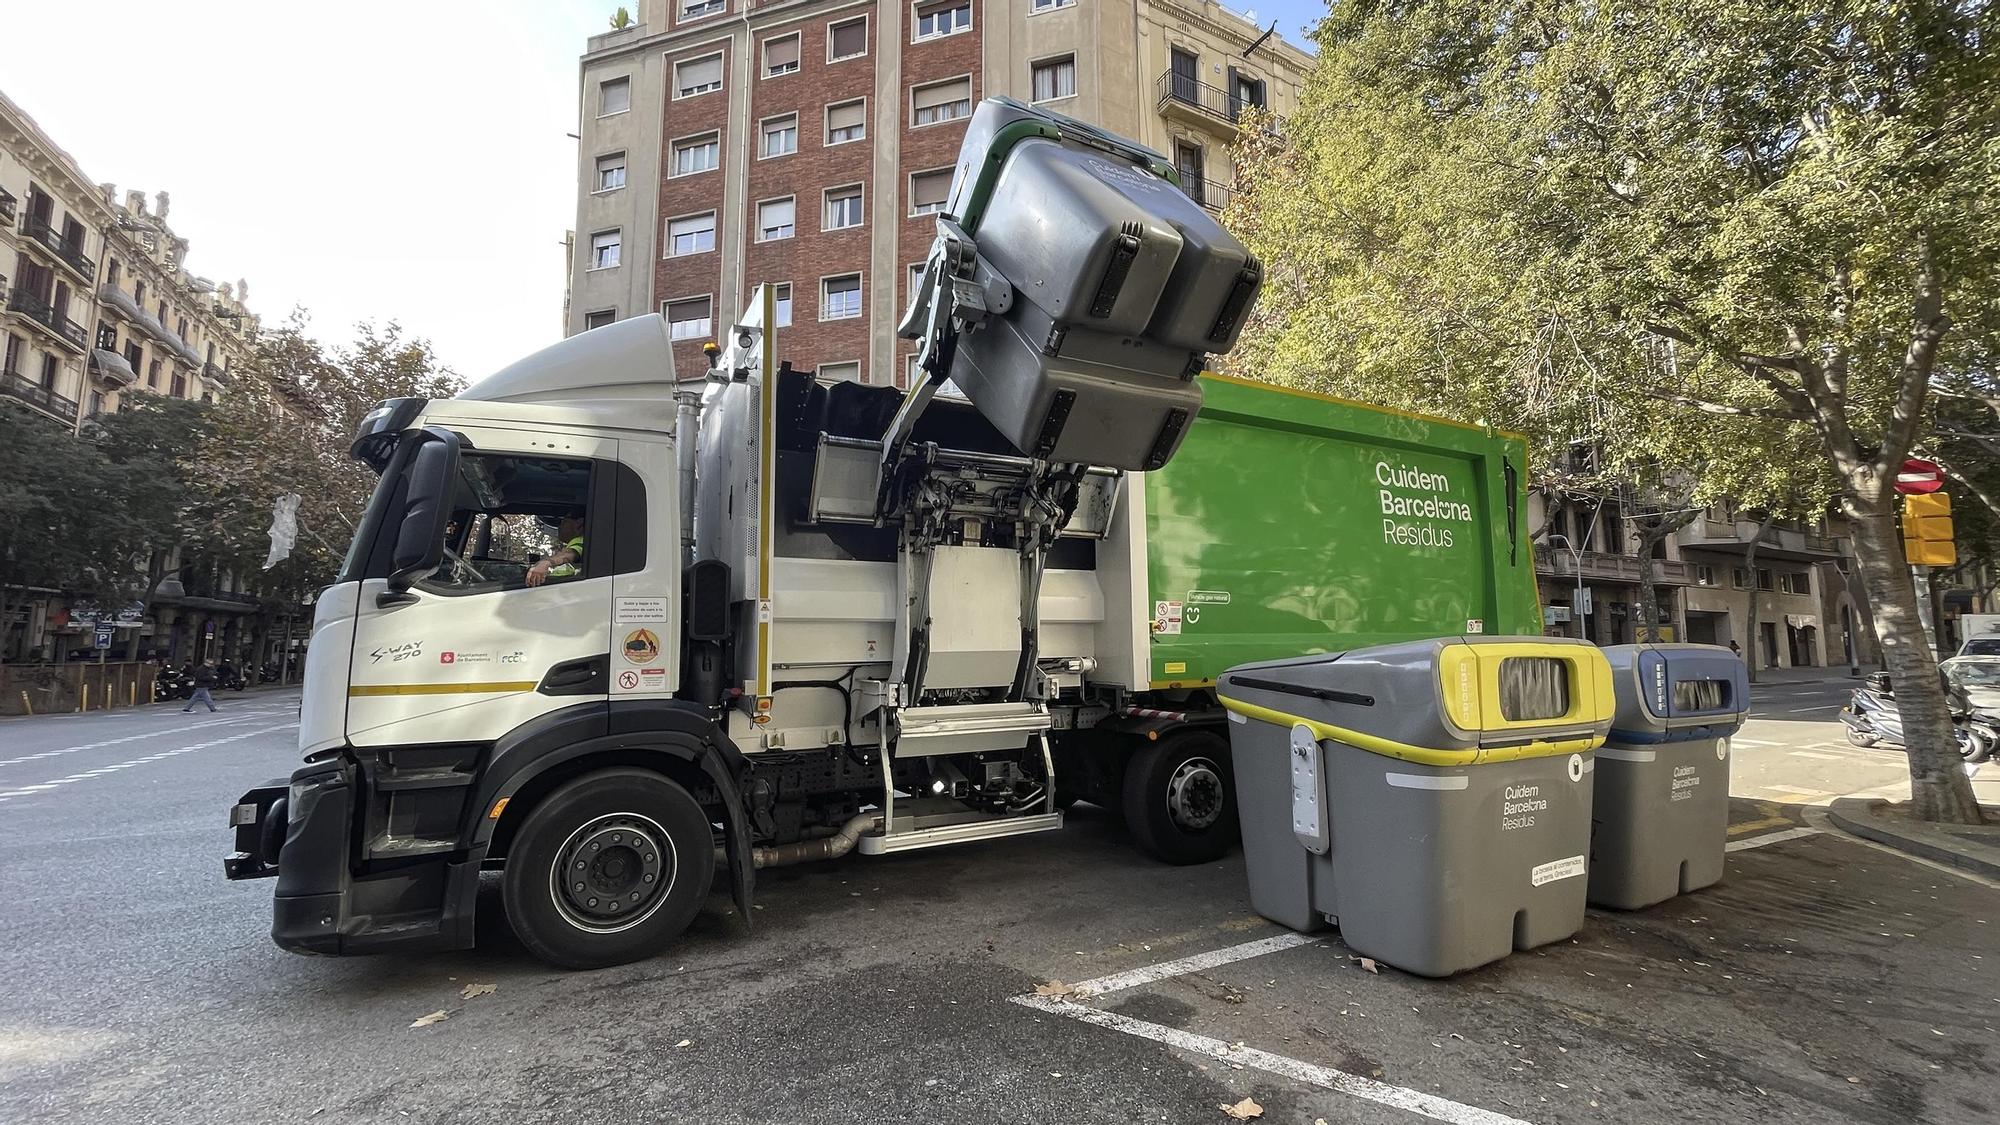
(426, 503)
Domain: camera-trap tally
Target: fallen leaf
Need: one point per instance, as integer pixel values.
(685, 1043)
(1054, 988)
(1368, 963)
(434, 1017)
(1854, 1080)
(471, 991)
(1243, 1110)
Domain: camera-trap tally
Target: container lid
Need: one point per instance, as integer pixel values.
(1450, 701)
(1672, 687)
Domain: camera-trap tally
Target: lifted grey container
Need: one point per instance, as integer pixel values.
(1121, 286)
(1662, 817)
(1431, 798)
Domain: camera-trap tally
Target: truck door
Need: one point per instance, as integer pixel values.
(515, 622)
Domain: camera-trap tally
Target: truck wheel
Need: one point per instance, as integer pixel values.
(608, 869)
(1180, 798)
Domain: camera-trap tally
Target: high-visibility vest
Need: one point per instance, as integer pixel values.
(570, 569)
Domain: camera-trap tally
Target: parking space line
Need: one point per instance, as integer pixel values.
(33, 790)
(1752, 742)
(1325, 1077)
(1770, 838)
(1133, 978)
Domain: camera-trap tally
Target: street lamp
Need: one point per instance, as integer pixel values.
(1576, 568)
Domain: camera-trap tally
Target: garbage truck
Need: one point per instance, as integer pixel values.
(620, 633)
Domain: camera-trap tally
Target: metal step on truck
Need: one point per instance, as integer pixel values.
(611, 632)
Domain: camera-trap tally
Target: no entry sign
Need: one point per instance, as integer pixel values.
(1918, 477)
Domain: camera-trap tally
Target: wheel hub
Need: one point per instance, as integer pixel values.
(1195, 794)
(613, 872)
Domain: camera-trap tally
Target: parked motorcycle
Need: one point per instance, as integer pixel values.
(171, 684)
(227, 678)
(1872, 718)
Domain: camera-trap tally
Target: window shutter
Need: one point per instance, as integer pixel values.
(846, 116)
(944, 93)
(781, 54)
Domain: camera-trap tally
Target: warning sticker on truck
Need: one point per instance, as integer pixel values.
(1557, 870)
(1167, 617)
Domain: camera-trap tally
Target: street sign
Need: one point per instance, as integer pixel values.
(1583, 602)
(1918, 477)
(103, 637)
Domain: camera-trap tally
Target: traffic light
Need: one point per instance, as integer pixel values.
(1927, 530)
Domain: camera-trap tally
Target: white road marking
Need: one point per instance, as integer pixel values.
(1808, 710)
(1816, 754)
(244, 717)
(1757, 742)
(30, 790)
(1133, 978)
(1325, 1077)
(1769, 838)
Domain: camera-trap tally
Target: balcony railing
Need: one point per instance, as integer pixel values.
(1207, 192)
(1172, 90)
(39, 230)
(1610, 567)
(215, 374)
(34, 394)
(41, 312)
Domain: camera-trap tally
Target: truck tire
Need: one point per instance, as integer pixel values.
(635, 856)
(1180, 798)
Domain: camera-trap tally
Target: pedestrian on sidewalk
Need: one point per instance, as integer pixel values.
(204, 683)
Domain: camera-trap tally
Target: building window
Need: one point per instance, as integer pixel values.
(928, 191)
(696, 154)
(697, 76)
(776, 219)
(604, 250)
(689, 318)
(941, 101)
(695, 9)
(1764, 581)
(940, 18)
(611, 171)
(781, 55)
(849, 372)
(1050, 5)
(107, 337)
(15, 347)
(614, 95)
(916, 282)
(843, 208)
(1739, 578)
(846, 121)
(840, 297)
(1055, 78)
(781, 296)
(1795, 583)
(1704, 575)
(111, 270)
(51, 367)
(780, 136)
(692, 235)
(153, 374)
(599, 319)
(847, 39)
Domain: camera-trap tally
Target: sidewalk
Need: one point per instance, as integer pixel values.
(1968, 848)
(1838, 673)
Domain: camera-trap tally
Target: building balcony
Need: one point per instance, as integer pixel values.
(44, 236)
(1781, 541)
(44, 316)
(39, 397)
(1208, 193)
(1603, 566)
(1198, 103)
(215, 374)
(112, 369)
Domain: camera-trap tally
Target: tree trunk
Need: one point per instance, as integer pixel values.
(1755, 646)
(1939, 789)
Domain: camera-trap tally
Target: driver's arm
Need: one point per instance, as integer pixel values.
(539, 573)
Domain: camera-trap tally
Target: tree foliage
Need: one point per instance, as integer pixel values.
(1732, 239)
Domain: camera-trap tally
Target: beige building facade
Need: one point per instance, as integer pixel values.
(98, 300)
(807, 143)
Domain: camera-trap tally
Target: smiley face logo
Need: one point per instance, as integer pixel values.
(642, 646)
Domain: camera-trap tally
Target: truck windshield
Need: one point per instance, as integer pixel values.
(1981, 646)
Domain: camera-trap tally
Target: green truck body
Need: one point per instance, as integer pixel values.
(1292, 523)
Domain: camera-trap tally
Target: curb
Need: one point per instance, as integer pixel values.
(1855, 820)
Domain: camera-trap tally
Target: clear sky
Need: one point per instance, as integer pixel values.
(364, 159)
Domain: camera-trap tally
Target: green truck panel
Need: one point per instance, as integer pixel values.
(1292, 523)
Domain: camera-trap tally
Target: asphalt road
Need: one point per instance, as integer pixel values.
(1824, 980)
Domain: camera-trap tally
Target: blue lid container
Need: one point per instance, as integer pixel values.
(1676, 692)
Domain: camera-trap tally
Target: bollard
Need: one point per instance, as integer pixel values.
(27, 708)
(86, 700)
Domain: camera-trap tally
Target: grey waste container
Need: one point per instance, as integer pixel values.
(1662, 814)
(1431, 798)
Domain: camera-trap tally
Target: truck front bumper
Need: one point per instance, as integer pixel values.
(303, 832)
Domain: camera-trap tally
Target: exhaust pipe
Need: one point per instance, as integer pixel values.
(826, 847)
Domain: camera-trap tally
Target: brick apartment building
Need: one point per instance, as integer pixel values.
(806, 144)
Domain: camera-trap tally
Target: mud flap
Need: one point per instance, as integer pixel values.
(736, 831)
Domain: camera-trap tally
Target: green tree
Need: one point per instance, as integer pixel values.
(1706, 212)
